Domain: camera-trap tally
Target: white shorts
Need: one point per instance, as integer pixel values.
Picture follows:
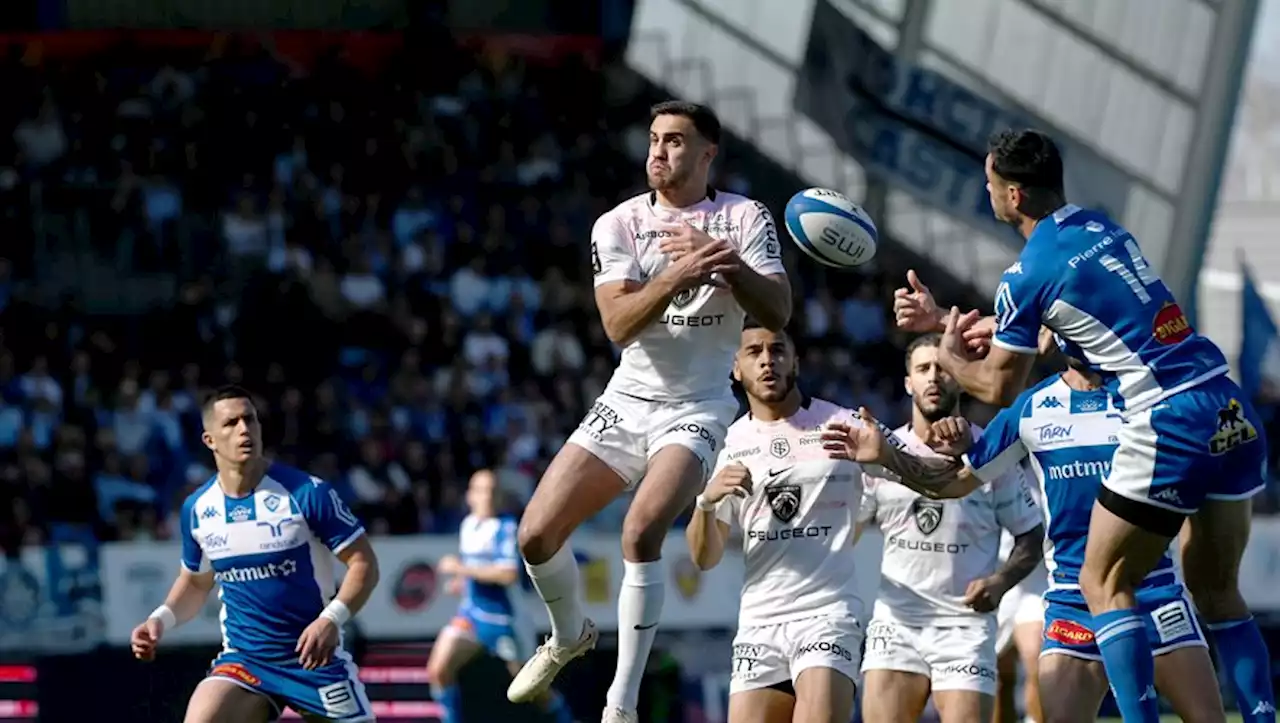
(766, 655)
(1019, 606)
(960, 657)
(625, 431)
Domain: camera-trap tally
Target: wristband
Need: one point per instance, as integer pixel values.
(704, 505)
(165, 615)
(337, 611)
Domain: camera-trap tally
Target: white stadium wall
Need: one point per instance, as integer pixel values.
(1139, 107)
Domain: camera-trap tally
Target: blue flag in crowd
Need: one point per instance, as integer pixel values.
(1259, 347)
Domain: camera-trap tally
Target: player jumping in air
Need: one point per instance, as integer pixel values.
(795, 657)
(267, 534)
(675, 269)
(933, 626)
(1191, 447)
(1067, 426)
(484, 575)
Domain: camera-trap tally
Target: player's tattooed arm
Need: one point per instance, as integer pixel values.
(934, 477)
(1027, 552)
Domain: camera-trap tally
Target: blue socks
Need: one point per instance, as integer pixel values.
(1244, 658)
(450, 699)
(1122, 637)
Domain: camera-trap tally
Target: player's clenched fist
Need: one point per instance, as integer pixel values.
(732, 480)
(951, 436)
(145, 638)
(983, 595)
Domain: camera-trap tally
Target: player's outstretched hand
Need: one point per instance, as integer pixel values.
(145, 638)
(953, 335)
(983, 595)
(316, 645)
(914, 308)
(732, 480)
(864, 443)
(952, 436)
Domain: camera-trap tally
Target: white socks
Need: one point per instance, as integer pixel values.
(557, 583)
(639, 608)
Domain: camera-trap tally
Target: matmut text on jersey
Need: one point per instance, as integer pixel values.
(272, 554)
(933, 549)
(797, 523)
(1068, 436)
(1083, 276)
(687, 353)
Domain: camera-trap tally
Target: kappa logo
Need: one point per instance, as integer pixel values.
(784, 500)
(209, 513)
(779, 447)
(927, 514)
(1049, 403)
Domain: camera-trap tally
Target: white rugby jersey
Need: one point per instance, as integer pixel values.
(685, 355)
(933, 549)
(797, 524)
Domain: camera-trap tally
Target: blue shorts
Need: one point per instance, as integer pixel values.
(334, 691)
(500, 639)
(1205, 442)
(1171, 624)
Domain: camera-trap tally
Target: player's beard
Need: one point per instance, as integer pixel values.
(778, 393)
(948, 402)
(671, 179)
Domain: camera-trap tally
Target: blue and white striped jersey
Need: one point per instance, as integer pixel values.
(272, 555)
(1084, 277)
(485, 541)
(1069, 437)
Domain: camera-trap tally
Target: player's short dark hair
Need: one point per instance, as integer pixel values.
(223, 393)
(1028, 158)
(932, 338)
(704, 119)
(750, 323)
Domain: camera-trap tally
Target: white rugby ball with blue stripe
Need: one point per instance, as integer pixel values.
(831, 229)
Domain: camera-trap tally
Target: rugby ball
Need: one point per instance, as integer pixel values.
(831, 229)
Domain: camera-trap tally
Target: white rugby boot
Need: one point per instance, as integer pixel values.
(617, 715)
(547, 662)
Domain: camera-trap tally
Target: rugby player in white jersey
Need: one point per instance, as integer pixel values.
(795, 657)
(267, 534)
(933, 626)
(675, 270)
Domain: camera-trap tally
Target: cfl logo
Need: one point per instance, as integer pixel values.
(277, 528)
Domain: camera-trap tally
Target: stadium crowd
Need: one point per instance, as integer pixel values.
(395, 261)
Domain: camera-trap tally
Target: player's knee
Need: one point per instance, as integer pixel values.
(642, 537)
(537, 541)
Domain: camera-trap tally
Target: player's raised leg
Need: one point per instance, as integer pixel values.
(677, 470)
(221, 700)
(576, 485)
(1213, 545)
